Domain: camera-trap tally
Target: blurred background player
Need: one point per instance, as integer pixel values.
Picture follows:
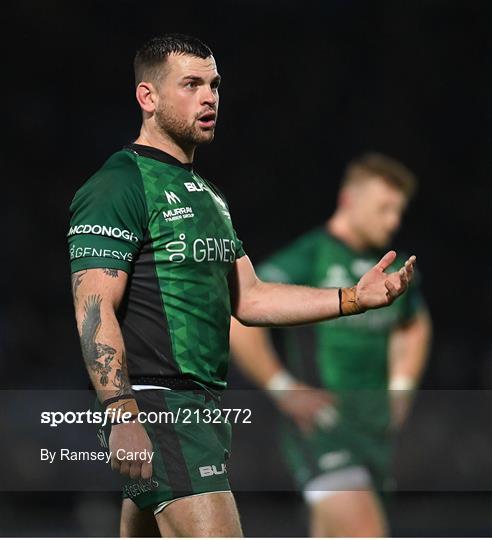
(340, 458)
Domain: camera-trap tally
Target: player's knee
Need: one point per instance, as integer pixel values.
(369, 530)
(203, 515)
(347, 514)
(211, 530)
(350, 528)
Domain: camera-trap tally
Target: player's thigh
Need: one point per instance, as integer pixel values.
(135, 523)
(357, 513)
(205, 515)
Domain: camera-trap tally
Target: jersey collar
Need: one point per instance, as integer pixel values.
(159, 155)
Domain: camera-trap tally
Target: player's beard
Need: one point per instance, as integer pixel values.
(185, 135)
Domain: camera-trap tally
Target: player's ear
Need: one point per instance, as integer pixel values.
(146, 96)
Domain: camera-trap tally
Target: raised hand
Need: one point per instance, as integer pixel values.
(377, 289)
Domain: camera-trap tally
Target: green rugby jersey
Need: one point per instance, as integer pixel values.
(153, 217)
(349, 353)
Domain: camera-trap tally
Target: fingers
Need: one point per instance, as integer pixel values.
(315, 410)
(409, 267)
(325, 417)
(125, 467)
(403, 280)
(115, 464)
(406, 273)
(146, 470)
(396, 284)
(135, 469)
(391, 290)
(386, 261)
(304, 404)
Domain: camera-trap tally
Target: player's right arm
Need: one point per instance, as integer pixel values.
(107, 226)
(254, 354)
(97, 294)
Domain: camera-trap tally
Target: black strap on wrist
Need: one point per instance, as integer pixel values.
(108, 401)
(340, 312)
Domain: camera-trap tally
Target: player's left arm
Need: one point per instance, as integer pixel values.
(408, 353)
(256, 303)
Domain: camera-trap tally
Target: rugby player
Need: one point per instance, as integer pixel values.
(340, 458)
(157, 270)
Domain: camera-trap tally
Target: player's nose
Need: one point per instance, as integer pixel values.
(209, 96)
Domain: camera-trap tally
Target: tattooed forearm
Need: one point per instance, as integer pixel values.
(92, 350)
(110, 272)
(76, 281)
(121, 379)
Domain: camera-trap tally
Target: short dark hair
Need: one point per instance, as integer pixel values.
(152, 55)
(389, 169)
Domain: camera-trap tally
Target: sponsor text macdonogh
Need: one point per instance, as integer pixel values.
(103, 230)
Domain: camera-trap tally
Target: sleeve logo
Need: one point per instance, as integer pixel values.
(103, 230)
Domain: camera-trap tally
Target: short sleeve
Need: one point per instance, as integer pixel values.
(108, 220)
(293, 264)
(239, 247)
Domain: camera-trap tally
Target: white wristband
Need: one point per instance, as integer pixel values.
(280, 382)
(402, 382)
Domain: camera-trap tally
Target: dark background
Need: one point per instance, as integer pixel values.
(306, 87)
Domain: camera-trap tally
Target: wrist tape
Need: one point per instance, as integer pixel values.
(125, 403)
(347, 301)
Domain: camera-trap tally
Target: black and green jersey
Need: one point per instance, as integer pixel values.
(153, 217)
(349, 353)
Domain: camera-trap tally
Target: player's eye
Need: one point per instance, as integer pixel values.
(191, 84)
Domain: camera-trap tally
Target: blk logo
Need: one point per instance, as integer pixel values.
(192, 186)
(212, 470)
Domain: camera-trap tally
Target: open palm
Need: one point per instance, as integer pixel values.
(376, 288)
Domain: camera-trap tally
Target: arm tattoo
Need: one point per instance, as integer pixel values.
(91, 350)
(121, 379)
(110, 272)
(76, 281)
